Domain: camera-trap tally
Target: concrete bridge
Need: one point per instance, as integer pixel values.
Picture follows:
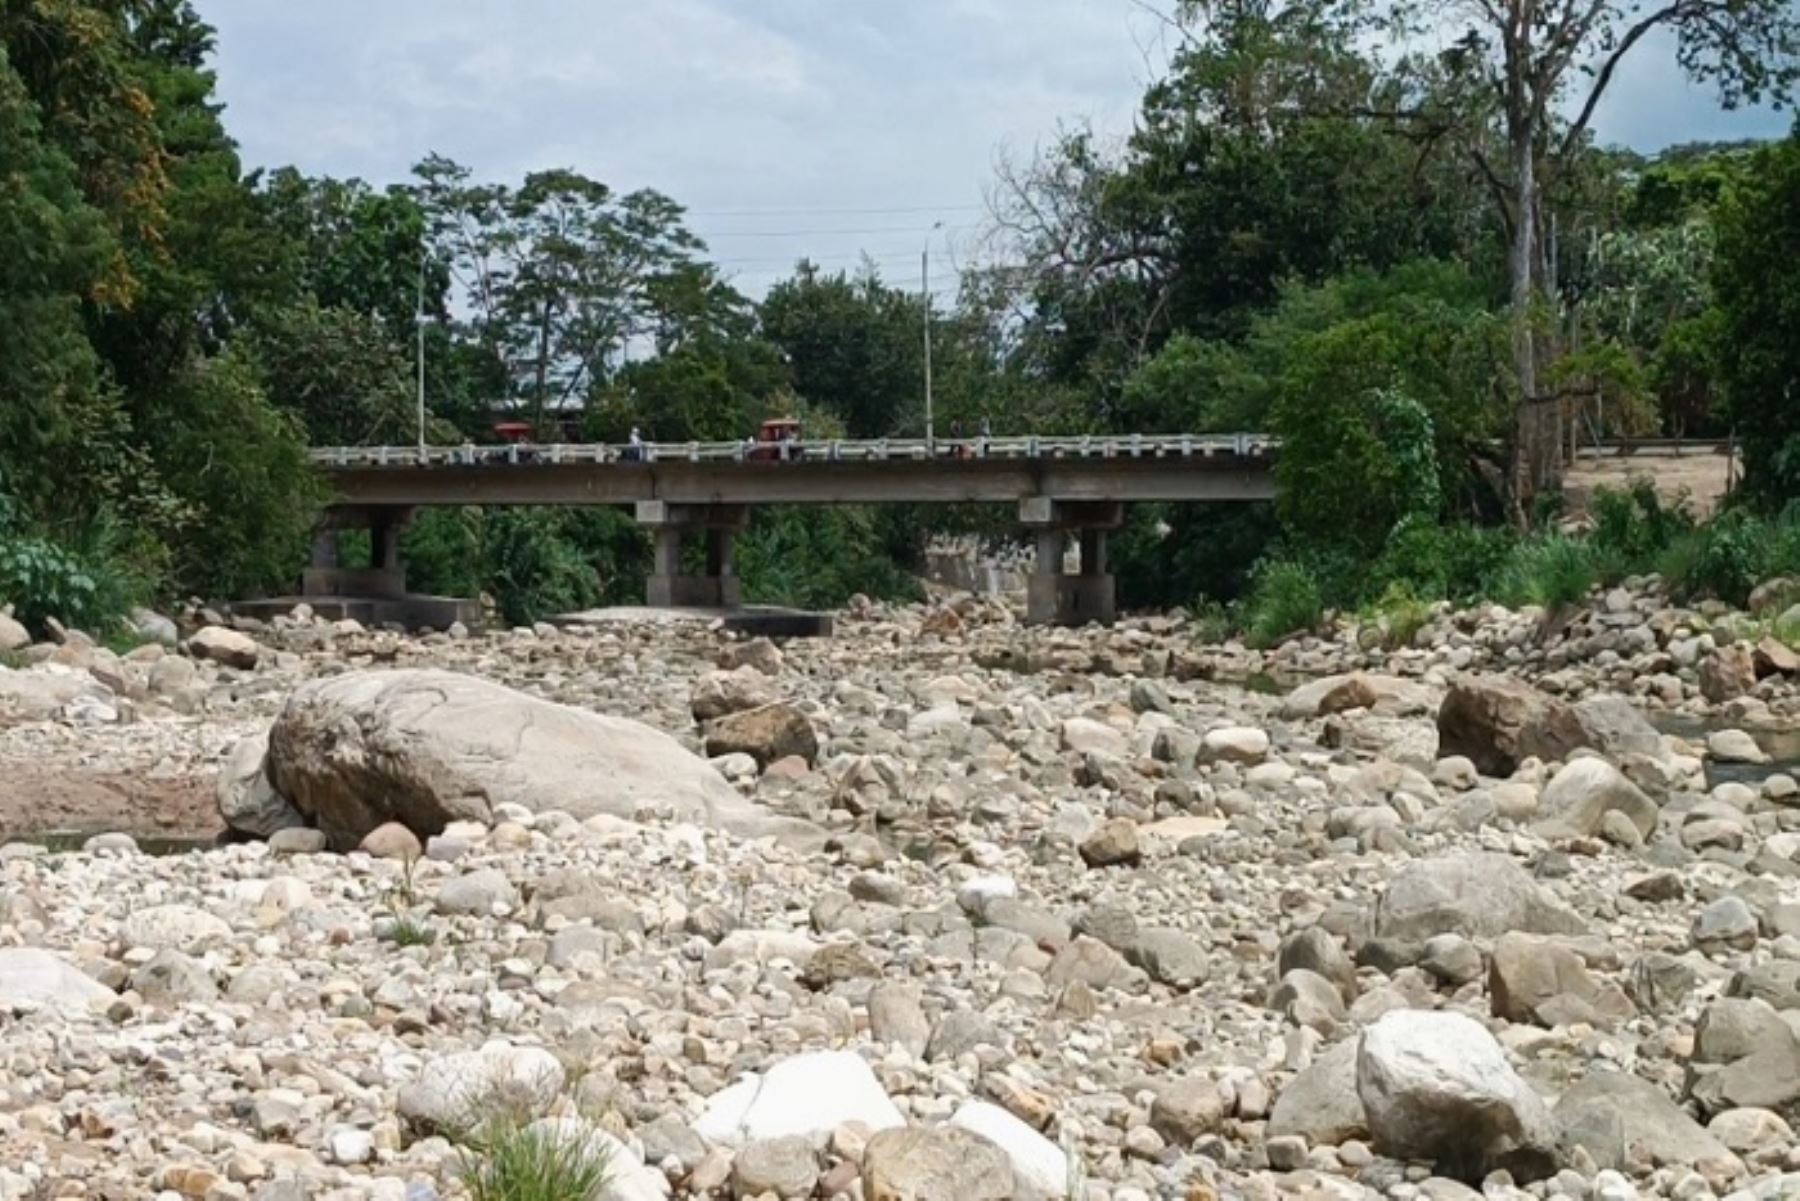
(1063, 489)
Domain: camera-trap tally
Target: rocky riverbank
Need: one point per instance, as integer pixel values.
(1079, 917)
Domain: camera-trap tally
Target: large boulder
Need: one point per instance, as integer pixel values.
(766, 733)
(13, 635)
(1622, 1121)
(455, 1092)
(426, 748)
(1498, 722)
(247, 800)
(1477, 895)
(1533, 979)
(1436, 1086)
(1579, 797)
(1040, 1167)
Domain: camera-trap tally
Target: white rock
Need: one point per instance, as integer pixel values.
(1235, 744)
(176, 927)
(30, 976)
(809, 1095)
(463, 1088)
(1040, 1168)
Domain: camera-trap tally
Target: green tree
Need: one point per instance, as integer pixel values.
(855, 346)
(1757, 280)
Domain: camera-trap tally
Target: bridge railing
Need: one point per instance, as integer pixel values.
(879, 450)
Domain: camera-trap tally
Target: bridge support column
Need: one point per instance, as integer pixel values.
(383, 577)
(1051, 596)
(672, 525)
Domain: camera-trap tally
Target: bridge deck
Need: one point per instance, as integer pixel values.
(1176, 467)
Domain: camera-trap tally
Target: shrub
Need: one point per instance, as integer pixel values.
(1556, 572)
(1732, 554)
(1636, 526)
(532, 569)
(87, 588)
(818, 560)
(1285, 600)
(1434, 561)
(1399, 615)
(512, 1159)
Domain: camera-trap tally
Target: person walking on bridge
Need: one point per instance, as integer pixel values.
(634, 446)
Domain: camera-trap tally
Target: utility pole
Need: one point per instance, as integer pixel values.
(925, 305)
(419, 324)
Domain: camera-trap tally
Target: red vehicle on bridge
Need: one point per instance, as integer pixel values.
(776, 439)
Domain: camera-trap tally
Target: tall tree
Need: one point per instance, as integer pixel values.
(559, 272)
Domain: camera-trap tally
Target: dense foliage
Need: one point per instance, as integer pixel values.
(1310, 230)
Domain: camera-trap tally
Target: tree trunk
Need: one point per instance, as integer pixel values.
(1527, 426)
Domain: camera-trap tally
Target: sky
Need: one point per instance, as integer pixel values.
(824, 128)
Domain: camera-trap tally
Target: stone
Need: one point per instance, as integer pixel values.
(896, 1017)
(1169, 957)
(13, 635)
(1356, 690)
(1579, 797)
(247, 800)
(391, 840)
(628, 1178)
(1235, 744)
(1085, 736)
(1320, 1103)
(223, 646)
(1040, 1167)
(1533, 979)
(1734, 746)
(1316, 949)
(477, 893)
(30, 976)
(759, 653)
(1768, 1079)
(177, 927)
(939, 1163)
(297, 840)
(1477, 895)
(457, 1091)
(961, 1031)
(1734, 1027)
(767, 734)
(1751, 1132)
(152, 627)
(1728, 673)
(1774, 657)
(1613, 726)
(1498, 722)
(1308, 999)
(718, 693)
(1725, 924)
(1437, 1087)
(427, 747)
(172, 978)
(809, 1094)
(783, 1166)
(1112, 844)
(1621, 1121)
(1187, 1109)
(1452, 958)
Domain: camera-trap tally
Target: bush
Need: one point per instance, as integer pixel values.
(1399, 615)
(1439, 562)
(88, 587)
(1285, 600)
(1635, 526)
(819, 559)
(1732, 554)
(516, 1160)
(1556, 572)
(532, 569)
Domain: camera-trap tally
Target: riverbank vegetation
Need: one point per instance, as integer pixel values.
(1298, 236)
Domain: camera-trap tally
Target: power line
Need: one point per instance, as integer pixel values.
(813, 233)
(836, 212)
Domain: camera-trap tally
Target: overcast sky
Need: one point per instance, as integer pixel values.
(788, 127)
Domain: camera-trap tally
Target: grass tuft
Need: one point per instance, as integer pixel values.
(511, 1160)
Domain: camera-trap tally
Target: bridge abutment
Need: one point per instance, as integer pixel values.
(1053, 597)
(672, 527)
